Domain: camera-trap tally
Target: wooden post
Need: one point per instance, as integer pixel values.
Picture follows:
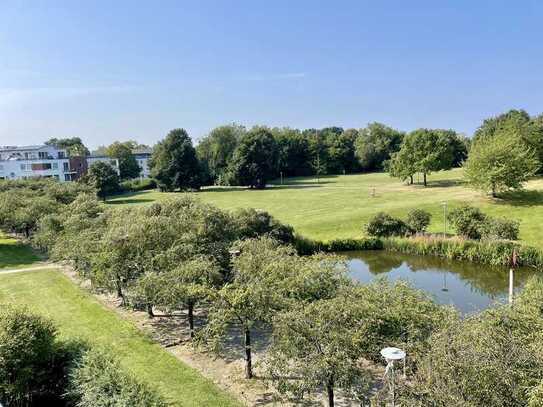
(511, 285)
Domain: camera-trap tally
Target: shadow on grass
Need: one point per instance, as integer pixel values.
(16, 254)
(445, 183)
(130, 201)
(521, 198)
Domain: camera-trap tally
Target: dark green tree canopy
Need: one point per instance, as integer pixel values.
(375, 144)
(123, 151)
(104, 178)
(174, 163)
(255, 159)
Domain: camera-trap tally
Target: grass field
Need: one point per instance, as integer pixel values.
(338, 206)
(78, 315)
(13, 254)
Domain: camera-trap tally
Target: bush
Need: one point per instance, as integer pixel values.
(98, 380)
(467, 221)
(252, 223)
(500, 229)
(384, 225)
(27, 348)
(138, 184)
(418, 220)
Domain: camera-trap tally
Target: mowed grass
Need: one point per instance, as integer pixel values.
(338, 206)
(78, 315)
(14, 254)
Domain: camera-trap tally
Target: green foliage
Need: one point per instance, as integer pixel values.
(375, 144)
(74, 146)
(136, 185)
(255, 159)
(27, 347)
(490, 359)
(251, 223)
(99, 380)
(500, 229)
(104, 178)
(418, 220)
(382, 225)
(294, 152)
(174, 164)
(500, 163)
(216, 150)
(128, 165)
(468, 221)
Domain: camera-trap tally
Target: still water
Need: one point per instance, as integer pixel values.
(469, 287)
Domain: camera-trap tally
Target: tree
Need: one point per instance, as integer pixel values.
(255, 159)
(216, 150)
(375, 145)
(294, 155)
(516, 124)
(128, 165)
(418, 220)
(174, 163)
(104, 178)
(499, 163)
(73, 146)
(318, 345)
(402, 164)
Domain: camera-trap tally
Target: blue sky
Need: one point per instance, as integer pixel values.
(117, 70)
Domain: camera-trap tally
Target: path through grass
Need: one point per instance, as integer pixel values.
(338, 206)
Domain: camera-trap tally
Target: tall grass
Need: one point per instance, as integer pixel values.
(497, 253)
(306, 246)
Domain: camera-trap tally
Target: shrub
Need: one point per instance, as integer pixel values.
(467, 221)
(252, 223)
(500, 229)
(98, 380)
(137, 184)
(26, 354)
(418, 220)
(383, 225)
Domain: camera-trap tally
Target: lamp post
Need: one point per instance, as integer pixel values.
(513, 264)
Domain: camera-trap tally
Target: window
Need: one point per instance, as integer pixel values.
(23, 167)
(43, 154)
(67, 177)
(41, 167)
(55, 166)
(61, 154)
(66, 167)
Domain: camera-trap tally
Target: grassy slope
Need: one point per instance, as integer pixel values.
(339, 205)
(14, 254)
(78, 315)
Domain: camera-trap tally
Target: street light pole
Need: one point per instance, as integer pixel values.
(444, 218)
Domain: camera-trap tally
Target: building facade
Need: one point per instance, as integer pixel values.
(45, 161)
(143, 157)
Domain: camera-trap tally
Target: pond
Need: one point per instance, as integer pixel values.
(469, 287)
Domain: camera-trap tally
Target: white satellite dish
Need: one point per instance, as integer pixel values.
(393, 354)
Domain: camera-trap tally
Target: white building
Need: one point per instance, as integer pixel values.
(142, 157)
(45, 161)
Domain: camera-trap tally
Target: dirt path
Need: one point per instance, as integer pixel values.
(34, 268)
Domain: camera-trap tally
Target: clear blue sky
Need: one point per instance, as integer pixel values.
(107, 70)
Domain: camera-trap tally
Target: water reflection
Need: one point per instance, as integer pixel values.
(469, 287)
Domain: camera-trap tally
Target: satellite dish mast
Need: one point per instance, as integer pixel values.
(392, 355)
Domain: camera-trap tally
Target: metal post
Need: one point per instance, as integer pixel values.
(281, 177)
(444, 218)
(511, 285)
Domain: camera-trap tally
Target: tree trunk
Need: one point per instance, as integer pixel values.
(119, 291)
(410, 180)
(191, 320)
(248, 358)
(493, 191)
(150, 312)
(330, 392)
(424, 177)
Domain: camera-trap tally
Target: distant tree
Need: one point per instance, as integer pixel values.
(294, 153)
(174, 163)
(255, 159)
(74, 146)
(402, 164)
(341, 151)
(459, 146)
(500, 163)
(104, 178)
(375, 144)
(123, 151)
(516, 124)
(216, 150)
(424, 151)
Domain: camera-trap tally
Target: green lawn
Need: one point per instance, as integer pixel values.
(338, 206)
(13, 254)
(79, 315)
